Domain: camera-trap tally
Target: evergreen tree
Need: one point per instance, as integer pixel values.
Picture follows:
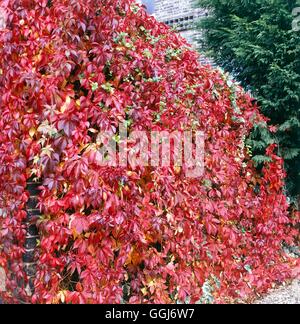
(254, 40)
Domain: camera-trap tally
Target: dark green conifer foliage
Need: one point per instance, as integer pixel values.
(254, 40)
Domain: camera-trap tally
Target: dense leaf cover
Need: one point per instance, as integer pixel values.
(72, 68)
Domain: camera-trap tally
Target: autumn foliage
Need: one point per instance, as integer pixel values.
(72, 68)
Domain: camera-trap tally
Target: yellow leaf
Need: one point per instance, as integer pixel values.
(151, 283)
(61, 296)
(32, 131)
(144, 291)
(66, 104)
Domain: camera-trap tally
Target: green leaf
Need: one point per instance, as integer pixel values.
(95, 86)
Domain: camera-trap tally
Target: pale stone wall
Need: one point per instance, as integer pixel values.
(181, 15)
(2, 18)
(173, 9)
(2, 280)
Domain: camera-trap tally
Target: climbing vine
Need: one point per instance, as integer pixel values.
(110, 234)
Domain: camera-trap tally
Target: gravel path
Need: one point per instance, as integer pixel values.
(283, 296)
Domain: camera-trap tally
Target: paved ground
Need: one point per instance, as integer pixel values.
(285, 295)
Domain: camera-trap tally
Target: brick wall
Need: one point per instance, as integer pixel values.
(181, 15)
(172, 9)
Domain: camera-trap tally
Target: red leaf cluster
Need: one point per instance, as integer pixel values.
(72, 68)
